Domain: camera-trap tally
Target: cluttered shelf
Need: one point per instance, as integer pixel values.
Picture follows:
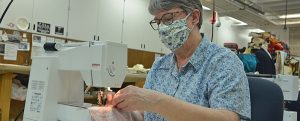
(5, 68)
(6, 76)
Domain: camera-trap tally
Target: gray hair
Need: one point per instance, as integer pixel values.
(187, 5)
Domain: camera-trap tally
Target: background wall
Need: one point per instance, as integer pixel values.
(295, 41)
(231, 33)
(136, 30)
(227, 32)
(282, 35)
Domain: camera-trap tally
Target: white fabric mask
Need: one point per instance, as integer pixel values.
(173, 36)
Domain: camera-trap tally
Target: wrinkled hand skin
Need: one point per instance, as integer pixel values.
(133, 98)
(110, 113)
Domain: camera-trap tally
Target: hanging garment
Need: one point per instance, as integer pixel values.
(265, 64)
(249, 62)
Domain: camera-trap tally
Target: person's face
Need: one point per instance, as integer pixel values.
(168, 16)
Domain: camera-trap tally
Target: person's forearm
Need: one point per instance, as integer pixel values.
(176, 110)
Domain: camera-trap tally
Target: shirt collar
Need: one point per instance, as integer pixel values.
(198, 56)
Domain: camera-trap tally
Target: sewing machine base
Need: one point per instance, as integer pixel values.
(72, 113)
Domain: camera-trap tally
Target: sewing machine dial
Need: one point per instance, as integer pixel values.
(111, 69)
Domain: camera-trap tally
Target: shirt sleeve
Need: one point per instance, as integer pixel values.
(228, 87)
(148, 83)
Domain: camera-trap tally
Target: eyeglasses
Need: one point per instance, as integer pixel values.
(166, 19)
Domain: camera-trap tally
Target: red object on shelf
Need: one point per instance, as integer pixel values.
(278, 46)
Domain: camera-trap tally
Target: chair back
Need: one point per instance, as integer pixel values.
(266, 100)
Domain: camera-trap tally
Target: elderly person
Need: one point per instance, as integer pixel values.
(197, 81)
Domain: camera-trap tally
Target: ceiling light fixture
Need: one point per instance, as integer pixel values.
(297, 15)
(237, 22)
(205, 8)
(290, 23)
(258, 30)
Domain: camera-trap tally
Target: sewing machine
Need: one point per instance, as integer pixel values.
(56, 84)
(289, 86)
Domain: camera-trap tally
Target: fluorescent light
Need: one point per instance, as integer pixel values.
(290, 16)
(258, 30)
(206, 8)
(237, 22)
(294, 22)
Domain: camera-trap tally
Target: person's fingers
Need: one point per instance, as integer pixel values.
(119, 96)
(118, 99)
(110, 97)
(122, 104)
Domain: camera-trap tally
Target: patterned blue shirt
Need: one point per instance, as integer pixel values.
(214, 77)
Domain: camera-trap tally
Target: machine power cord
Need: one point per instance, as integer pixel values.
(2, 16)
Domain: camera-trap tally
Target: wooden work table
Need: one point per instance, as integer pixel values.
(6, 75)
(137, 79)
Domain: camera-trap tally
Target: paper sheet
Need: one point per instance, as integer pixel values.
(38, 40)
(37, 51)
(24, 46)
(11, 51)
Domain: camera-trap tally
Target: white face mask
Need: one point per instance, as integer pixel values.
(173, 36)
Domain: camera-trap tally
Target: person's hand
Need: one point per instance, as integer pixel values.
(133, 98)
(110, 97)
(107, 97)
(109, 112)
